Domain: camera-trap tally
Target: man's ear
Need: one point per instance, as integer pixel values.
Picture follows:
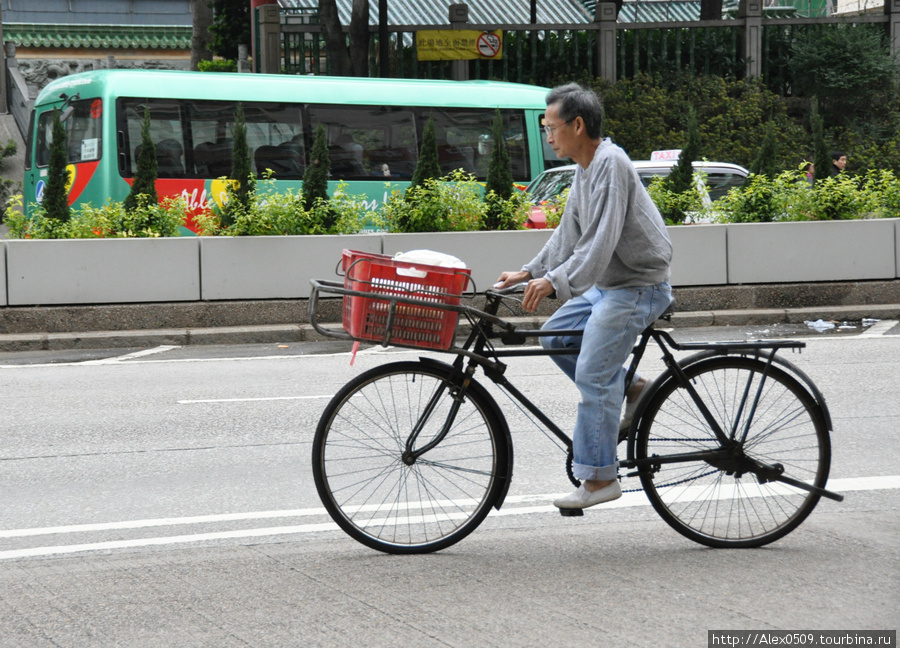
(578, 123)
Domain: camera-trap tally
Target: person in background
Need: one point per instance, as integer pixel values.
(810, 170)
(609, 261)
(838, 162)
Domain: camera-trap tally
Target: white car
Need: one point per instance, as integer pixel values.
(719, 178)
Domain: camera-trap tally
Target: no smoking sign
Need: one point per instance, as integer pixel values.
(489, 44)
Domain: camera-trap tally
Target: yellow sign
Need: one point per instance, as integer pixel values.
(458, 44)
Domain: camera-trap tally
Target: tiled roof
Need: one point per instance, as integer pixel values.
(99, 36)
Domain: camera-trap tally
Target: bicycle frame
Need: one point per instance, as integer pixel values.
(477, 351)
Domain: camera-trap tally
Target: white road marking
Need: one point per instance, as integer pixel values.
(513, 506)
(250, 400)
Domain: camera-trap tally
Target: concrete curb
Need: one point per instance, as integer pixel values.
(296, 333)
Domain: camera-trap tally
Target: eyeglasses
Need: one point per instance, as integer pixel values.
(549, 129)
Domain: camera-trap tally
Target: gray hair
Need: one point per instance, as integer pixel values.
(577, 101)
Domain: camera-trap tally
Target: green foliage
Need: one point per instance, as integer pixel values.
(676, 206)
(644, 114)
(553, 209)
(218, 65)
(764, 163)
(56, 196)
(315, 177)
(450, 204)
(230, 28)
(821, 157)
(243, 186)
(789, 197)
(851, 70)
(499, 176)
(427, 166)
(7, 187)
(144, 183)
(273, 213)
(501, 214)
(680, 180)
(112, 220)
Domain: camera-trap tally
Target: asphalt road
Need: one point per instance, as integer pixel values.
(163, 497)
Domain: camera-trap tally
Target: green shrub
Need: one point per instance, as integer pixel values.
(145, 175)
(450, 204)
(427, 166)
(111, 220)
(56, 196)
(676, 206)
(285, 213)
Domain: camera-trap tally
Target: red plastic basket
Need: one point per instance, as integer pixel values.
(366, 318)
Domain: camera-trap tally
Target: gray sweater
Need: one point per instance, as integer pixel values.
(611, 235)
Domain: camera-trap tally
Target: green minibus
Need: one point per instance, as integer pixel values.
(373, 126)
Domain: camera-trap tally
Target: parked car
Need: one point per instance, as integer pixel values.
(719, 177)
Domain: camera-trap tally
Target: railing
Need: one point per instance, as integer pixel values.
(750, 44)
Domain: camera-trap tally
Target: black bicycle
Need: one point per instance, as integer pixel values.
(731, 444)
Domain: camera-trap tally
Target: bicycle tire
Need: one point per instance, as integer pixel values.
(436, 501)
(710, 504)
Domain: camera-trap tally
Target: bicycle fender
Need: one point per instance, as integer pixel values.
(504, 453)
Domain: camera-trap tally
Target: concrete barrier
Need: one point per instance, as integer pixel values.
(272, 267)
(102, 271)
(124, 271)
(812, 251)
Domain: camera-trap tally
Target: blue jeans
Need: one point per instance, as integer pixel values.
(612, 321)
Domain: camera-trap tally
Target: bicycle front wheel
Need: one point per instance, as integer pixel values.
(775, 422)
(384, 497)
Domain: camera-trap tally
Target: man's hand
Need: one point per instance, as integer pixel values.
(535, 292)
(508, 279)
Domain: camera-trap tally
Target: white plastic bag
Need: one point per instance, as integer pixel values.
(426, 257)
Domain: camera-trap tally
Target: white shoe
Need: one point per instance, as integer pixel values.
(582, 498)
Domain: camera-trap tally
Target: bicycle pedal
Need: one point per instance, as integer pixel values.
(571, 512)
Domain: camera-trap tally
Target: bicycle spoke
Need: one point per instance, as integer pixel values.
(414, 505)
(725, 504)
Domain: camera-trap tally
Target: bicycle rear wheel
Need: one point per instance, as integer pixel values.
(725, 503)
(386, 500)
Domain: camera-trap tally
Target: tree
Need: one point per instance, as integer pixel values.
(851, 71)
(499, 185)
(230, 27)
(764, 163)
(241, 165)
(145, 175)
(427, 166)
(821, 157)
(346, 59)
(499, 177)
(710, 9)
(202, 20)
(315, 178)
(56, 196)
(681, 178)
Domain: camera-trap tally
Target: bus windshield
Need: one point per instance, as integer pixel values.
(84, 133)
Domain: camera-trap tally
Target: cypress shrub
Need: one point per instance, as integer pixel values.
(427, 165)
(315, 178)
(241, 166)
(764, 163)
(681, 179)
(56, 198)
(145, 175)
(821, 157)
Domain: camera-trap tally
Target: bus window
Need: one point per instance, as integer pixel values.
(83, 133)
(368, 141)
(165, 133)
(465, 140)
